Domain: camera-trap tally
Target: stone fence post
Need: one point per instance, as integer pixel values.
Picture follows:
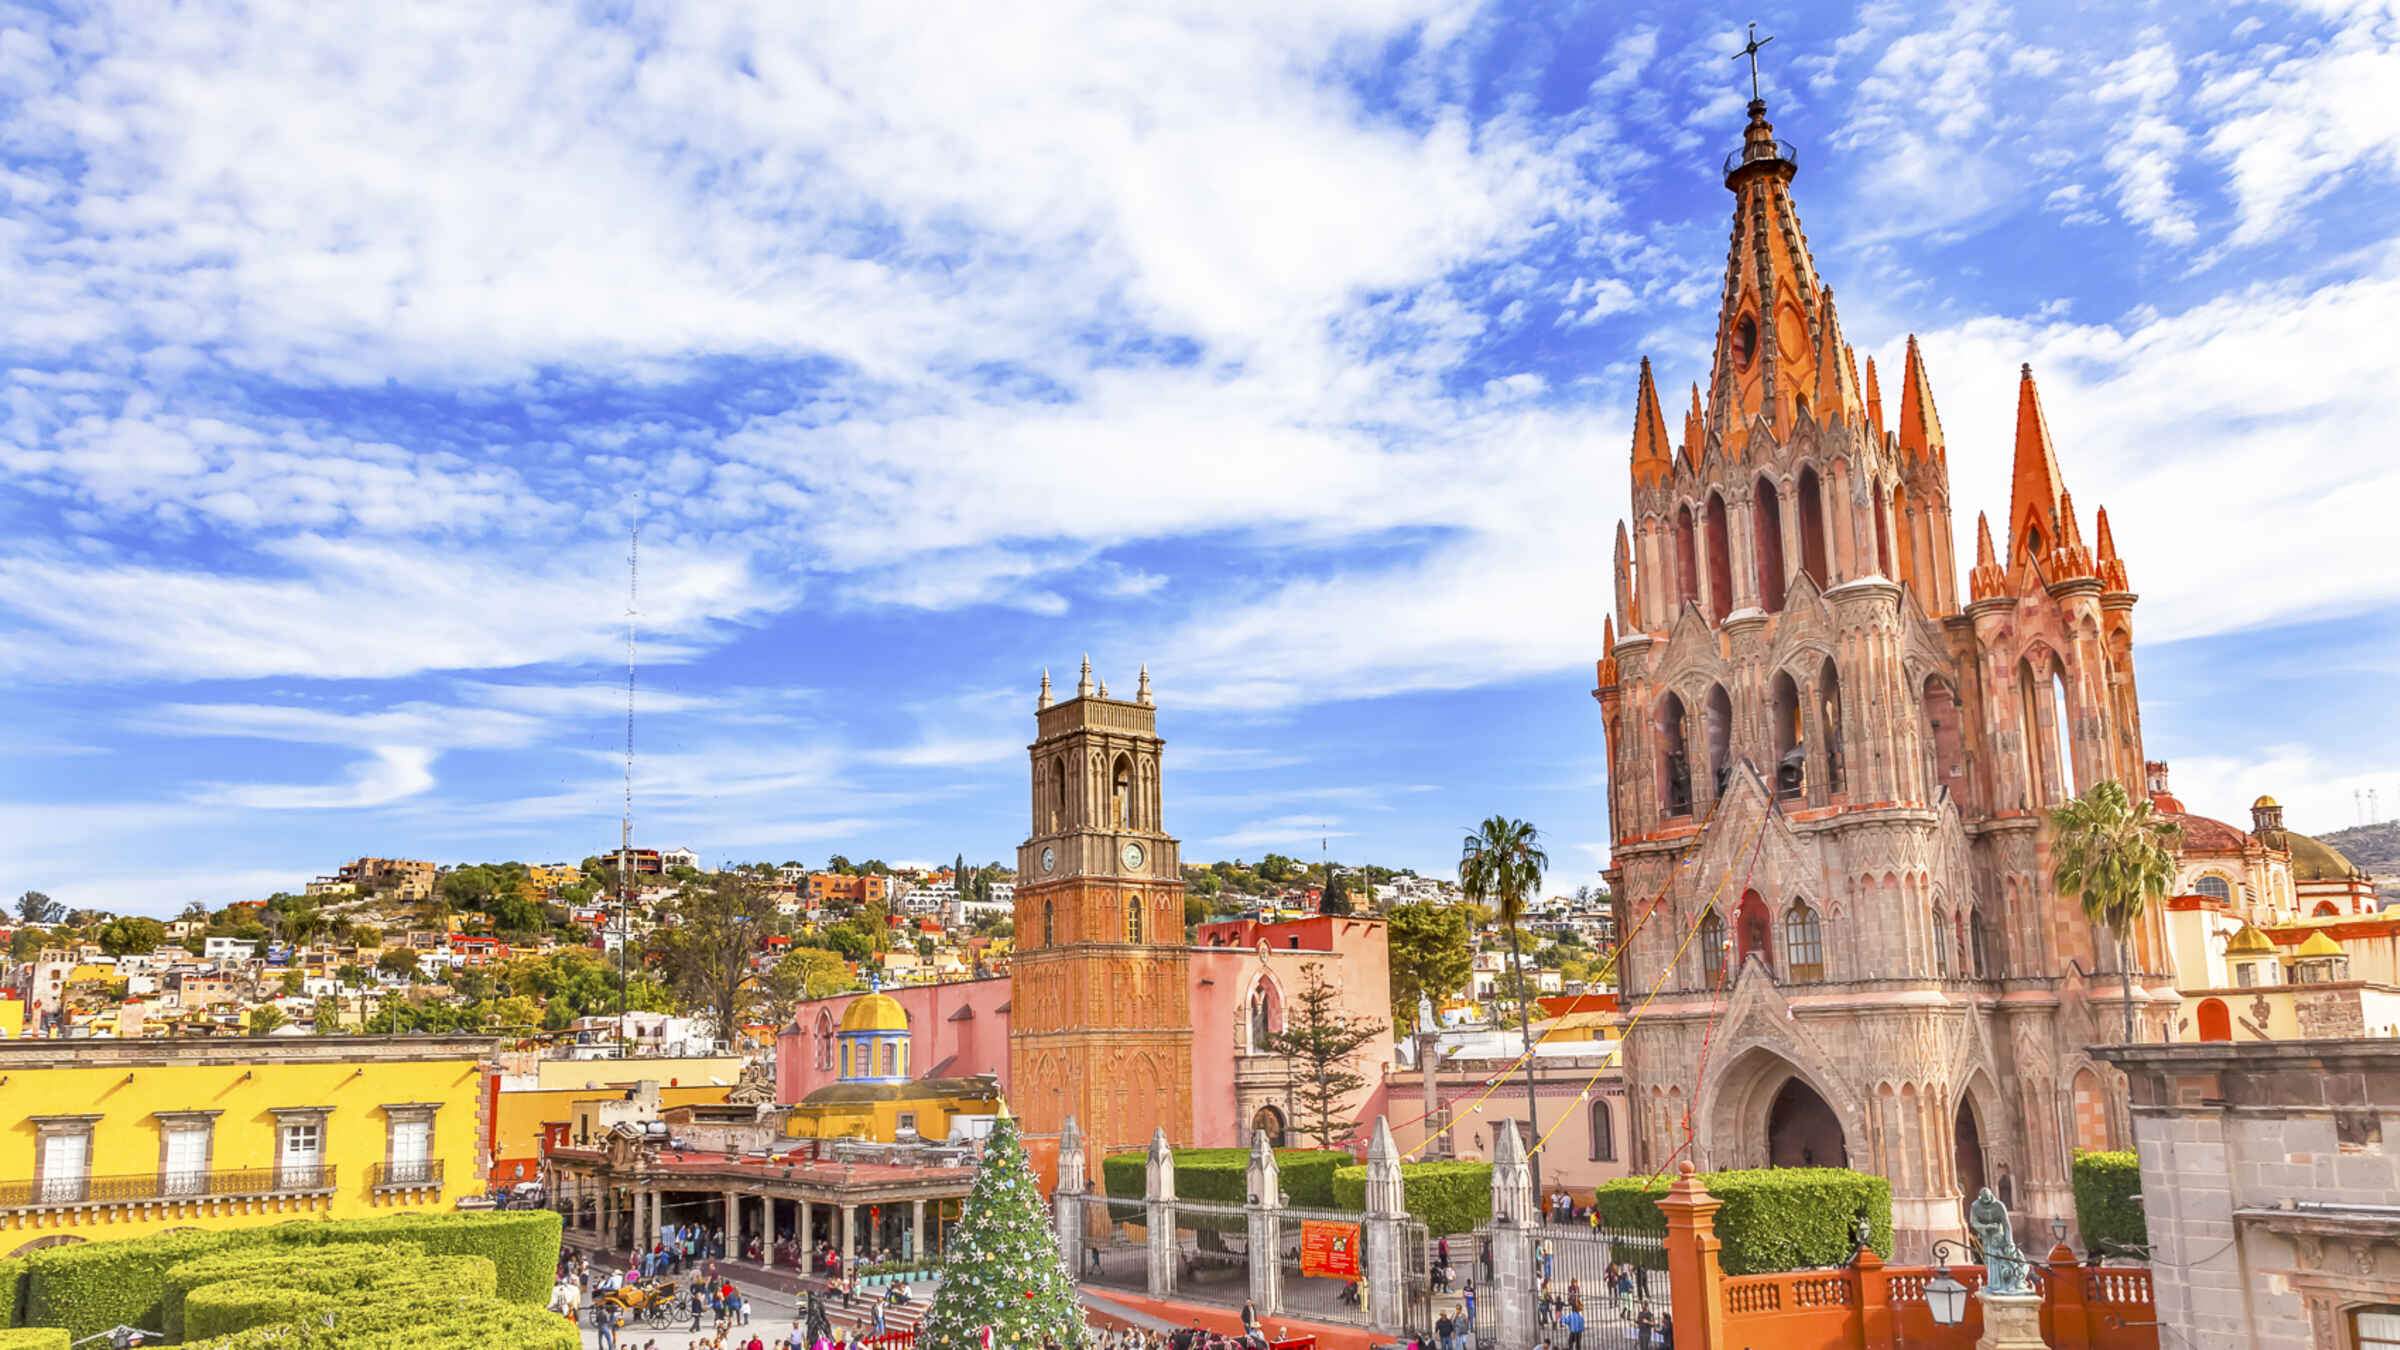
(1160, 1215)
(1695, 1279)
(1265, 1220)
(1387, 1232)
(1066, 1202)
(1513, 1237)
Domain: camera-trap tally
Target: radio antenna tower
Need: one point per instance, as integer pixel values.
(633, 595)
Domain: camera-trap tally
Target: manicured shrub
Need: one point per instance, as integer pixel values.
(407, 1327)
(305, 1286)
(353, 1263)
(33, 1338)
(92, 1287)
(1447, 1197)
(12, 1279)
(2108, 1202)
(1773, 1218)
(1222, 1175)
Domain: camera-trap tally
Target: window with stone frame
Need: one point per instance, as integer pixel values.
(186, 1151)
(408, 1153)
(1941, 941)
(300, 1148)
(63, 1159)
(2214, 887)
(2376, 1328)
(1803, 943)
(1604, 1132)
(1712, 949)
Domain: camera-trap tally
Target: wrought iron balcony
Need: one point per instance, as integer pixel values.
(1765, 150)
(164, 1187)
(424, 1173)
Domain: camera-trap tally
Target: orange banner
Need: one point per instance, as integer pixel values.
(1328, 1248)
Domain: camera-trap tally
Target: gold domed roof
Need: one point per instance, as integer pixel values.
(875, 1012)
(2264, 801)
(2248, 941)
(2319, 944)
(2316, 860)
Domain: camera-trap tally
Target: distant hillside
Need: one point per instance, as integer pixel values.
(2375, 848)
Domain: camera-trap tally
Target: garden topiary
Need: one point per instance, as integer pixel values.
(2108, 1202)
(1772, 1218)
(1447, 1197)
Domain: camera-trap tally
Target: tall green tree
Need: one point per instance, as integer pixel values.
(1501, 865)
(1320, 1041)
(36, 907)
(1430, 955)
(1336, 899)
(1002, 1268)
(2116, 855)
(717, 926)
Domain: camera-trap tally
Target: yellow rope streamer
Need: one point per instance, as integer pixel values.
(1617, 1055)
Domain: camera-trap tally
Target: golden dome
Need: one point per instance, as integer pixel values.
(2248, 941)
(875, 1012)
(2264, 802)
(2318, 944)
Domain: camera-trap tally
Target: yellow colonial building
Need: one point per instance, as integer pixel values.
(122, 1139)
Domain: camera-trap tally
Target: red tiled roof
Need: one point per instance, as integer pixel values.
(2202, 835)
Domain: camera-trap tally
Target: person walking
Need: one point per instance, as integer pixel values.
(1467, 1301)
(1445, 1332)
(1574, 1326)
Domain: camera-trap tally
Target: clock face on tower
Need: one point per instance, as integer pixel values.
(1132, 856)
(1049, 858)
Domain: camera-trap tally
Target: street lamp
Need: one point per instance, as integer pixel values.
(1945, 1297)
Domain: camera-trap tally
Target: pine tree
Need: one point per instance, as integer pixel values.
(1002, 1268)
(1322, 1042)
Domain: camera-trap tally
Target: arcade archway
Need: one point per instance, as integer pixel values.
(1802, 1131)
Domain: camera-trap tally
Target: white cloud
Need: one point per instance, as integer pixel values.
(2292, 130)
(2315, 788)
(2144, 152)
(390, 774)
(351, 608)
(2197, 429)
(1284, 831)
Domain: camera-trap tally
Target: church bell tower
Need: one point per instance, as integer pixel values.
(1100, 1023)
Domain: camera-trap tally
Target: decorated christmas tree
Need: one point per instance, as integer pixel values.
(1002, 1269)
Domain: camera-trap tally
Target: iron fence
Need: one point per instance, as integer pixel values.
(390, 1176)
(48, 1192)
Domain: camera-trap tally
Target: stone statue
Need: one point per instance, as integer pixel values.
(1426, 1026)
(1862, 1233)
(2003, 1265)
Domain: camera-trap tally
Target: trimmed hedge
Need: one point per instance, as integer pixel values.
(2108, 1202)
(1222, 1175)
(297, 1291)
(1447, 1197)
(33, 1338)
(345, 1266)
(1773, 1218)
(407, 1327)
(91, 1287)
(12, 1278)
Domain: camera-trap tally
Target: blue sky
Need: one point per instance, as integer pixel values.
(1287, 348)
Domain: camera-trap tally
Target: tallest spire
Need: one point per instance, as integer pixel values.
(1773, 334)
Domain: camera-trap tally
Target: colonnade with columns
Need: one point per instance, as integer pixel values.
(790, 1221)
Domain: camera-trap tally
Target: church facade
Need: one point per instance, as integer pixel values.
(1829, 770)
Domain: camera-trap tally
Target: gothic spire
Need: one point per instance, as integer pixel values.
(1769, 333)
(1083, 685)
(2111, 568)
(1988, 579)
(2074, 560)
(1920, 426)
(2034, 484)
(1695, 430)
(1653, 458)
(1836, 397)
(1141, 690)
(1044, 700)
(1874, 402)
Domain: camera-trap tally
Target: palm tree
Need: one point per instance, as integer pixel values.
(1501, 866)
(2116, 855)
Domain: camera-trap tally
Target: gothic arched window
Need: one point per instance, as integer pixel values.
(824, 1040)
(1049, 923)
(1121, 794)
(1712, 948)
(1133, 918)
(1058, 793)
(1604, 1132)
(1941, 941)
(1803, 942)
(1766, 528)
(2213, 886)
(1674, 758)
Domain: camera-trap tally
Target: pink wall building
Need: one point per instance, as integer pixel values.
(1244, 974)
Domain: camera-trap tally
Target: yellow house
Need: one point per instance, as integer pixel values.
(122, 1139)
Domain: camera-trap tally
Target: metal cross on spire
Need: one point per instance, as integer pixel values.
(1751, 51)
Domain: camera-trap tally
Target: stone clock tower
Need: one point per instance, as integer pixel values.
(1100, 1019)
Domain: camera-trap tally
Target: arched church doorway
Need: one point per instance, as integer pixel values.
(1269, 1120)
(1802, 1130)
(1750, 931)
(1967, 1150)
